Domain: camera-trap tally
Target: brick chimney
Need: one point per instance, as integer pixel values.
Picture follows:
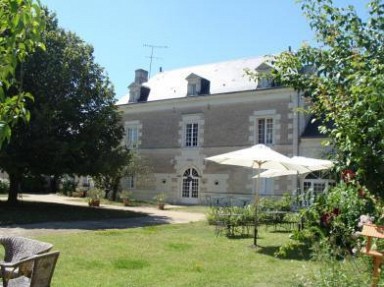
(141, 76)
(135, 89)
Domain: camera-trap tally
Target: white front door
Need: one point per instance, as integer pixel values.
(190, 186)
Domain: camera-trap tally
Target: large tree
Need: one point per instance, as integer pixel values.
(74, 127)
(21, 26)
(343, 75)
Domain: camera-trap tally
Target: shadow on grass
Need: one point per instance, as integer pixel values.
(33, 215)
(294, 254)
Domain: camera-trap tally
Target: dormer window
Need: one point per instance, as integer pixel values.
(192, 89)
(265, 80)
(264, 83)
(197, 85)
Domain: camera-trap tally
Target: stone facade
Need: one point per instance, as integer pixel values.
(175, 135)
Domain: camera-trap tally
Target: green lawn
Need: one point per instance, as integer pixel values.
(171, 255)
(165, 255)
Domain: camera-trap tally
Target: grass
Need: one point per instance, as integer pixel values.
(165, 255)
(171, 255)
(178, 255)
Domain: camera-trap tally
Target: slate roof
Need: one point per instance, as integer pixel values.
(224, 77)
(312, 129)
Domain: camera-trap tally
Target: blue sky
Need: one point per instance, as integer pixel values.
(194, 31)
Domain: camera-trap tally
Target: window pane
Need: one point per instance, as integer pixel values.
(193, 89)
(261, 131)
(269, 139)
(132, 137)
(131, 182)
(265, 131)
(186, 184)
(190, 183)
(194, 136)
(307, 185)
(195, 187)
(188, 135)
(318, 187)
(191, 134)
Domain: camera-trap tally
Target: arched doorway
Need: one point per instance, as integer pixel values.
(190, 186)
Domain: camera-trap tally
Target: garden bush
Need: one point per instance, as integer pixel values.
(4, 186)
(332, 221)
(230, 214)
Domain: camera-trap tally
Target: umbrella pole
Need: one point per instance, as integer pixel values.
(255, 231)
(256, 203)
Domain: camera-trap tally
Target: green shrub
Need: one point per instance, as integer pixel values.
(333, 220)
(352, 271)
(4, 186)
(231, 214)
(33, 184)
(68, 185)
(283, 203)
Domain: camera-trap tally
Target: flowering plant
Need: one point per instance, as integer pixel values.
(348, 175)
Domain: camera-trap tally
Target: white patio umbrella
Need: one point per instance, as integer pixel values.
(309, 165)
(257, 157)
(270, 173)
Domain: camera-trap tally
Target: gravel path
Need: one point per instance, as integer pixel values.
(155, 216)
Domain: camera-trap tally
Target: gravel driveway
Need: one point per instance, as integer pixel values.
(155, 216)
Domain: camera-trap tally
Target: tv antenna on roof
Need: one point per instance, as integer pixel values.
(151, 57)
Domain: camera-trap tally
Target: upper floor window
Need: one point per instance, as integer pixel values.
(191, 131)
(265, 131)
(191, 134)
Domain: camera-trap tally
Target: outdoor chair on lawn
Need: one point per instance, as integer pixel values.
(43, 266)
(372, 232)
(18, 248)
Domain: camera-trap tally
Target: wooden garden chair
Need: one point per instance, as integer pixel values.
(372, 231)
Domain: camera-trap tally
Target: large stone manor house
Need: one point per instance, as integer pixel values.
(177, 118)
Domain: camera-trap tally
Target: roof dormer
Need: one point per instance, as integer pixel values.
(265, 79)
(197, 85)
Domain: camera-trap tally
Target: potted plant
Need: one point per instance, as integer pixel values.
(94, 196)
(160, 199)
(126, 197)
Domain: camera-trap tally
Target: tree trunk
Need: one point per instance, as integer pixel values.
(115, 188)
(54, 184)
(14, 186)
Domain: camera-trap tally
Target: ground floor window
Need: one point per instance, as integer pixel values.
(312, 186)
(190, 183)
(129, 182)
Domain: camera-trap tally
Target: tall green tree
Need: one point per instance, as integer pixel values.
(75, 126)
(21, 26)
(343, 75)
(123, 163)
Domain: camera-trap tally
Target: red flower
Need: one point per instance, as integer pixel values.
(326, 219)
(348, 175)
(361, 192)
(336, 212)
